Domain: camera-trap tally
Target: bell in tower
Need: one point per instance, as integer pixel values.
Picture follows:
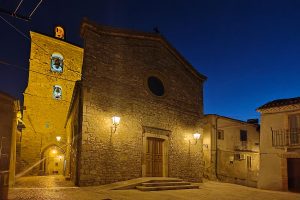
(59, 32)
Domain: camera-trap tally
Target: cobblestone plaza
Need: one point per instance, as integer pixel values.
(52, 187)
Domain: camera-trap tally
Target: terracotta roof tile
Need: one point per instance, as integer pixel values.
(280, 102)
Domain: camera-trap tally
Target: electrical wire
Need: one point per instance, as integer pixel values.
(35, 9)
(18, 7)
(23, 34)
(25, 69)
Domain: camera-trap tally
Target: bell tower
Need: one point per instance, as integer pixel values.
(54, 67)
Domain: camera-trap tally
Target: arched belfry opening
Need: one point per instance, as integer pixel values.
(59, 32)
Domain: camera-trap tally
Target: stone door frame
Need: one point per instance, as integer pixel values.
(151, 132)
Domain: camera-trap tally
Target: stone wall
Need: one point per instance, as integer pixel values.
(116, 67)
(9, 107)
(238, 171)
(45, 116)
(7, 114)
(73, 137)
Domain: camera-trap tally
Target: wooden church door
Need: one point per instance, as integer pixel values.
(154, 157)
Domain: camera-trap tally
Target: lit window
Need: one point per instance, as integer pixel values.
(57, 63)
(57, 92)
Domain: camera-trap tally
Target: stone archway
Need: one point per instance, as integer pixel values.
(54, 160)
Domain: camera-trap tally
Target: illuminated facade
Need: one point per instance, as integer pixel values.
(280, 145)
(55, 66)
(157, 94)
(231, 150)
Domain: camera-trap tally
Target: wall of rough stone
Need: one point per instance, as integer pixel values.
(7, 114)
(9, 107)
(116, 68)
(73, 138)
(45, 116)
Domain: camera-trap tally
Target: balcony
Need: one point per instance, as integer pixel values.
(286, 137)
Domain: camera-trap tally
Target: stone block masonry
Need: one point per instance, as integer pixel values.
(45, 116)
(116, 69)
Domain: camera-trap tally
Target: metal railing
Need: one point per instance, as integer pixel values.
(286, 137)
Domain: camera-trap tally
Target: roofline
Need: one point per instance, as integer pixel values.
(57, 39)
(108, 30)
(232, 119)
(279, 109)
(261, 108)
(8, 96)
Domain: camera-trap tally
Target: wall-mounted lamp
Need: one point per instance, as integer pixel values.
(58, 138)
(115, 122)
(196, 137)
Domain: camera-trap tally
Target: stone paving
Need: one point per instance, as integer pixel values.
(59, 189)
(42, 182)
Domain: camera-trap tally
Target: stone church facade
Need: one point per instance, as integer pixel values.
(158, 97)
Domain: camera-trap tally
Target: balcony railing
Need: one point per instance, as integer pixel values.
(286, 137)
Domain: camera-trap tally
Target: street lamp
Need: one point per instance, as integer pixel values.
(58, 138)
(115, 123)
(197, 135)
(54, 151)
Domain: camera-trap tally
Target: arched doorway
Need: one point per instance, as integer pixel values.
(54, 162)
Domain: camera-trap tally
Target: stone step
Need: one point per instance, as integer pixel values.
(170, 183)
(176, 187)
(166, 180)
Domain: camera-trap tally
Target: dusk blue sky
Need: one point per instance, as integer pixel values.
(248, 49)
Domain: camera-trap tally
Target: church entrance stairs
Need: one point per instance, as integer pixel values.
(165, 184)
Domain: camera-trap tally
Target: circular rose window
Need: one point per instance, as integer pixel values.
(156, 86)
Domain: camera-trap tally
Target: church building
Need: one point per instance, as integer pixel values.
(136, 111)
(126, 105)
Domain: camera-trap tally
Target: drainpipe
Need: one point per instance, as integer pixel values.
(216, 142)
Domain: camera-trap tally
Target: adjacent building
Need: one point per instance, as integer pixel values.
(153, 95)
(10, 126)
(231, 150)
(280, 145)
